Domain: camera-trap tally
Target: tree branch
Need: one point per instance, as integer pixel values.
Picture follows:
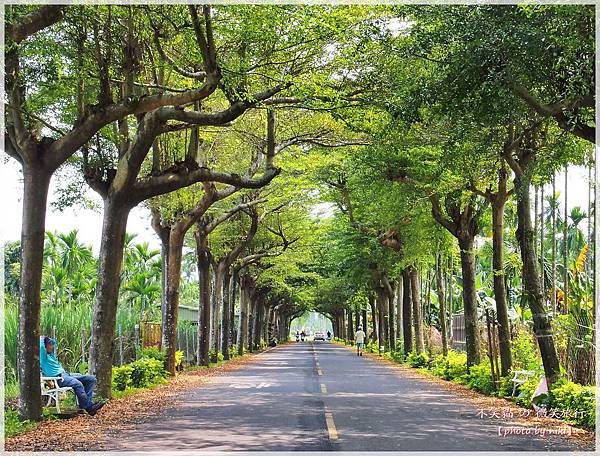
(35, 21)
(173, 180)
(436, 212)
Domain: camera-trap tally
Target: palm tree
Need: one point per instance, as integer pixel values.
(576, 237)
(143, 289)
(73, 256)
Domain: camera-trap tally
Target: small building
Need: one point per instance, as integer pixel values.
(188, 313)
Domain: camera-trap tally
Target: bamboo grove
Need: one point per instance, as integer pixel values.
(388, 166)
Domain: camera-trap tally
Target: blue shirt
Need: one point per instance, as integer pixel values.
(49, 364)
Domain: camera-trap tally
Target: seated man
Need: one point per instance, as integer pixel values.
(83, 385)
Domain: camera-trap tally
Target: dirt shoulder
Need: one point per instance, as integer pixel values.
(489, 403)
(86, 433)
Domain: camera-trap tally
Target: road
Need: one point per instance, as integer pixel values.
(315, 396)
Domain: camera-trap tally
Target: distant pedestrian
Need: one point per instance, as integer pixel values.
(328, 335)
(302, 336)
(359, 337)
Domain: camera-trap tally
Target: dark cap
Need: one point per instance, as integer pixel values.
(48, 341)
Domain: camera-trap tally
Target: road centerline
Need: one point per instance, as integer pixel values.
(331, 429)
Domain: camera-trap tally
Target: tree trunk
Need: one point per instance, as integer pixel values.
(265, 319)
(417, 315)
(233, 284)
(407, 332)
(450, 292)
(441, 292)
(202, 257)
(350, 326)
(164, 257)
(252, 324)
(35, 196)
(225, 322)
(542, 275)
(499, 285)
(391, 321)
(375, 331)
(467, 262)
(243, 322)
(566, 246)
(399, 293)
(216, 314)
(257, 323)
(114, 227)
(169, 324)
(381, 303)
(554, 275)
(531, 279)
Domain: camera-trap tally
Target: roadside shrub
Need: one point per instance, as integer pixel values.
(178, 358)
(479, 378)
(415, 359)
(142, 373)
(579, 400)
(152, 352)
(217, 355)
(506, 386)
(372, 347)
(14, 425)
(525, 391)
(450, 367)
(399, 346)
(398, 356)
(524, 351)
(121, 377)
(147, 372)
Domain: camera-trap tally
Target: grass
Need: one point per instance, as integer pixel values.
(13, 424)
(116, 394)
(11, 390)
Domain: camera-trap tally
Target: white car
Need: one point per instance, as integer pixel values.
(319, 336)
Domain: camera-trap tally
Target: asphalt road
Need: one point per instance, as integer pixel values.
(317, 396)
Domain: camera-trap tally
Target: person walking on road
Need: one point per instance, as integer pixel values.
(359, 337)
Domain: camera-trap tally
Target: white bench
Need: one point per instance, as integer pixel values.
(520, 377)
(53, 392)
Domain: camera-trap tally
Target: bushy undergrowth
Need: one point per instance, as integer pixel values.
(415, 359)
(450, 367)
(13, 425)
(566, 396)
(141, 373)
(581, 400)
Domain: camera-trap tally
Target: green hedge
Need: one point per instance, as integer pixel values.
(566, 395)
(142, 373)
(450, 367)
(415, 359)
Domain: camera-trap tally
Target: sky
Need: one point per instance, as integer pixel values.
(89, 222)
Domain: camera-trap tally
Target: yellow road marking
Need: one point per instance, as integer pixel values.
(333, 434)
(319, 372)
(323, 388)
